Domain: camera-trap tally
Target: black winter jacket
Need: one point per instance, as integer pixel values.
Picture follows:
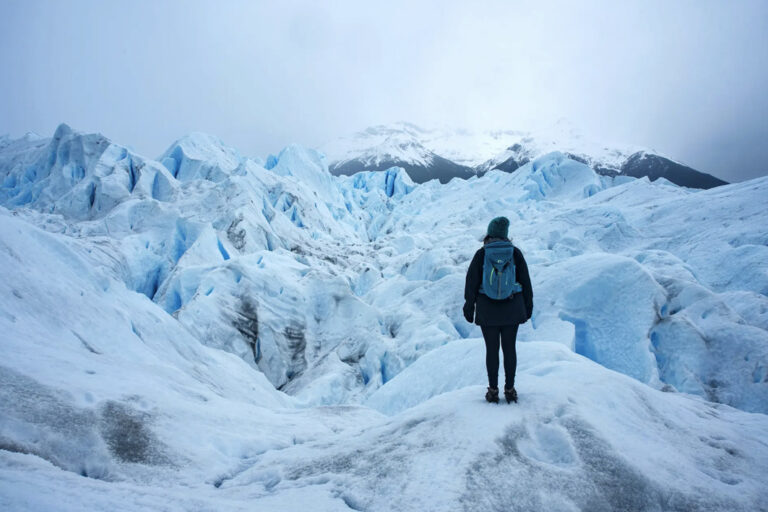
(515, 310)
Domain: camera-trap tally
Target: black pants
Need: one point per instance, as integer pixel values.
(508, 336)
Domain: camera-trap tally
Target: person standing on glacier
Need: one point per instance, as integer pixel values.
(498, 297)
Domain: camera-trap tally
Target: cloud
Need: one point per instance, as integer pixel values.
(686, 78)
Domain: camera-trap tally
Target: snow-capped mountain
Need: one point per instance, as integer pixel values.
(445, 153)
(381, 147)
(208, 331)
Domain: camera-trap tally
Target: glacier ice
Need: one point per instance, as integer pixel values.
(253, 329)
(200, 156)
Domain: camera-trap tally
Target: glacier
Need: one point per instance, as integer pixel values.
(208, 331)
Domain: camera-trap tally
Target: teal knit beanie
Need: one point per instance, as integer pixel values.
(498, 228)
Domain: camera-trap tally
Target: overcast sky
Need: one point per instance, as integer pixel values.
(687, 78)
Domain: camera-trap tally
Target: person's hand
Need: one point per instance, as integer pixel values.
(528, 313)
(469, 312)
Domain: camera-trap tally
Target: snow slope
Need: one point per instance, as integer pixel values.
(212, 331)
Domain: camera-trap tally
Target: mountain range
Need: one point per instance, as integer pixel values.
(444, 154)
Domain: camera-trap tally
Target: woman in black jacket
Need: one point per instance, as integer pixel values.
(498, 318)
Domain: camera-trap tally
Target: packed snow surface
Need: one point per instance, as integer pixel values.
(209, 331)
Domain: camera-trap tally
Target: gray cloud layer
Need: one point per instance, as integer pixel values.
(687, 78)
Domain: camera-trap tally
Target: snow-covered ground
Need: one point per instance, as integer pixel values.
(207, 331)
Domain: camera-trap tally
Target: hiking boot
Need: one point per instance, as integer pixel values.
(510, 394)
(492, 395)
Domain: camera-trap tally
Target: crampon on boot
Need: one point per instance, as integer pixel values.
(510, 394)
(492, 395)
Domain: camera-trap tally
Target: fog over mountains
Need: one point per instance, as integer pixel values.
(445, 154)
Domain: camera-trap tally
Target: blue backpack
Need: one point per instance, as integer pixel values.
(499, 271)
